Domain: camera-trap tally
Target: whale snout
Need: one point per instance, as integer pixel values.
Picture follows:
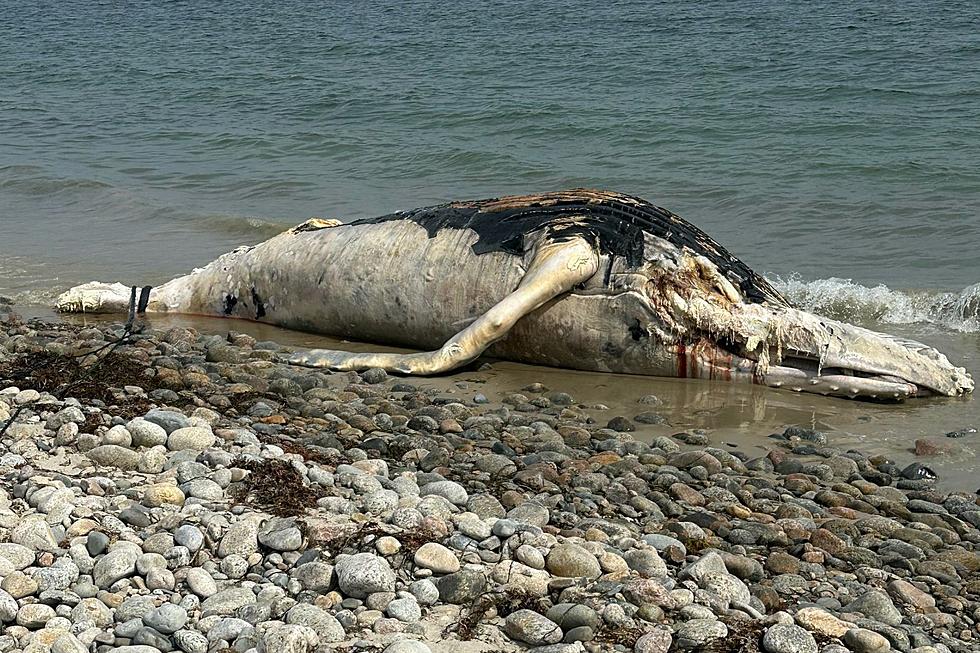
(831, 357)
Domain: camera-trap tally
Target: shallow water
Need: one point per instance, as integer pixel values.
(832, 147)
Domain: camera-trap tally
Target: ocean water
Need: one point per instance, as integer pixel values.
(831, 146)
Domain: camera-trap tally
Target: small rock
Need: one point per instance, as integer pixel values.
(655, 641)
(34, 533)
(621, 424)
(876, 605)
(935, 447)
(200, 582)
(646, 562)
(169, 420)
(163, 493)
(788, 638)
(449, 490)
(242, 538)
(189, 536)
(364, 573)
(18, 555)
(8, 607)
(697, 633)
(281, 535)
(907, 593)
(324, 624)
(190, 641)
(191, 438)
(424, 591)
(19, 585)
(35, 615)
(227, 601)
(288, 638)
(96, 543)
(166, 619)
(118, 563)
(530, 555)
(462, 587)
(822, 622)
(145, 433)
(573, 561)
(405, 610)
(860, 640)
(569, 616)
(532, 628)
(112, 455)
(436, 557)
(316, 576)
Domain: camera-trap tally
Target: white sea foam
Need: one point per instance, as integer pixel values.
(846, 300)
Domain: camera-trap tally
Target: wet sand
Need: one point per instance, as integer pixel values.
(731, 415)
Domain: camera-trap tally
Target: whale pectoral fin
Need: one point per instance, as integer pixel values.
(556, 268)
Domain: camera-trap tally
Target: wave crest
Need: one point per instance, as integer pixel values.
(845, 300)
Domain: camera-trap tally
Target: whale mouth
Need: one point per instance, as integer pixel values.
(784, 347)
(809, 353)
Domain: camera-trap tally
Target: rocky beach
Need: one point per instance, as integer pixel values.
(172, 490)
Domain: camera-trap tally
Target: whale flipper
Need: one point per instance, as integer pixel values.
(556, 267)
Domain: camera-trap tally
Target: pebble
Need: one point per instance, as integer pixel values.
(34, 615)
(34, 533)
(436, 557)
(788, 638)
(532, 628)
(406, 610)
(189, 536)
(147, 534)
(860, 640)
(407, 646)
(646, 562)
(819, 621)
(169, 420)
(145, 433)
(166, 619)
(697, 633)
(325, 625)
(449, 490)
(876, 605)
(226, 601)
(115, 565)
(8, 607)
(281, 535)
(654, 641)
(462, 587)
(161, 494)
(572, 561)
(364, 573)
(190, 438)
(242, 539)
(112, 455)
(18, 555)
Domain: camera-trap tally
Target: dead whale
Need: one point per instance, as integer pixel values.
(582, 279)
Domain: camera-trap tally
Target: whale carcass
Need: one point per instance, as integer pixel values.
(582, 279)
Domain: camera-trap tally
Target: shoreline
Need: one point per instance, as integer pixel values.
(175, 500)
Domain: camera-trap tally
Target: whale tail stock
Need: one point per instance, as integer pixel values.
(100, 297)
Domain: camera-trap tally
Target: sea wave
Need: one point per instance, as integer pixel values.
(246, 226)
(845, 300)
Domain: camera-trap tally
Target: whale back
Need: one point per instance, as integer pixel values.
(617, 223)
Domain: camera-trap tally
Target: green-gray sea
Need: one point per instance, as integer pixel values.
(833, 145)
